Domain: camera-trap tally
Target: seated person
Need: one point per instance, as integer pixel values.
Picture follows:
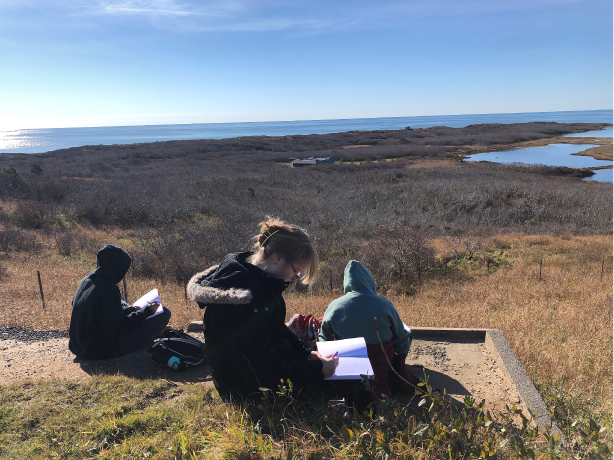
(351, 316)
(102, 326)
(249, 344)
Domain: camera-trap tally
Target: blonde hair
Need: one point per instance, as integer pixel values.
(288, 241)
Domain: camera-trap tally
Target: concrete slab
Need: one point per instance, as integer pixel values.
(479, 362)
(476, 362)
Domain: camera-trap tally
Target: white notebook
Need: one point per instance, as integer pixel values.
(353, 359)
(149, 297)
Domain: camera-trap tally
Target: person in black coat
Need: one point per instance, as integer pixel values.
(250, 346)
(102, 326)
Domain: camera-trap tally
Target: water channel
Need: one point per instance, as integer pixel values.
(555, 155)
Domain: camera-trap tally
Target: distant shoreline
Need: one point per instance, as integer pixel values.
(46, 140)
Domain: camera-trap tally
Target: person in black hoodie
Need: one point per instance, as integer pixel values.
(102, 326)
(249, 344)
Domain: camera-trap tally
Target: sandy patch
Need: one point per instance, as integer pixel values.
(51, 359)
(462, 368)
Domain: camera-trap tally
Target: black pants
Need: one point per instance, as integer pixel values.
(138, 338)
(353, 391)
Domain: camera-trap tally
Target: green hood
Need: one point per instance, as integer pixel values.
(351, 315)
(357, 278)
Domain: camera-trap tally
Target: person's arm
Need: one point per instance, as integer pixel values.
(299, 350)
(269, 369)
(110, 316)
(136, 314)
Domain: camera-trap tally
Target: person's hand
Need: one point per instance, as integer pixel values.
(314, 355)
(329, 364)
(153, 306)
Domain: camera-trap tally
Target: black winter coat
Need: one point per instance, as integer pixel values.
(249, 344)
(98, 319)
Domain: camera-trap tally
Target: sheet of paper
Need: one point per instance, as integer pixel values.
(356, 348)
(352, 368)
(407, 328)
(149, 297)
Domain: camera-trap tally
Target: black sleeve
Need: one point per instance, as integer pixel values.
(236, 341)
(269, 369)
(110, 317)
(299, 350)
(139, 315)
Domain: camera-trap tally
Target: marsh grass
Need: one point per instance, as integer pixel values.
(115, 417)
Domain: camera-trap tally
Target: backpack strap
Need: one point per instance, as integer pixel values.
(187, 359)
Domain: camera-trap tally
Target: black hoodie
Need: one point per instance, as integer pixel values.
(98, 318)
(249, 344)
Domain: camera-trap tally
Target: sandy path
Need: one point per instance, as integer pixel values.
(461, 368)
(47, 357)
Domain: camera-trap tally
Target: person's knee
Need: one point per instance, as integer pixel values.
(161, 320)
(166, 316)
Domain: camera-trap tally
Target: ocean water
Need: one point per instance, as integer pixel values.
(44, 140)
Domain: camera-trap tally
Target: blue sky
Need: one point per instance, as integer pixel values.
(120, 62)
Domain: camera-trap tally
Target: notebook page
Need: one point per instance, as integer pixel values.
(149, 297)
(356, 348)
(352, 368)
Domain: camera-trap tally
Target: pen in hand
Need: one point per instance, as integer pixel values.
(335, 355)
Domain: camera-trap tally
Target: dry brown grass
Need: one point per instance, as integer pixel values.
(603, 152)
(22, 306)
(560, 328)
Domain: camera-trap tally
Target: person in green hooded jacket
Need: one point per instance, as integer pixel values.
(352, 315)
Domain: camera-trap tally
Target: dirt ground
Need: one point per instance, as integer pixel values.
(461, 368)
(51, 359)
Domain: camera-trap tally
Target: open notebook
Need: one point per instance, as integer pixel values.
(149, 297)
(353, 359)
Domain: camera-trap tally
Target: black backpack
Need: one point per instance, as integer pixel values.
(178, 350)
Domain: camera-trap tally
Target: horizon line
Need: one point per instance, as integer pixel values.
(307, 120)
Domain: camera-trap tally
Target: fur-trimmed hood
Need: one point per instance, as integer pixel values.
(200, 291)
(233, 282)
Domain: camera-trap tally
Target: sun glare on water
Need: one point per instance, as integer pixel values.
(20, 139)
